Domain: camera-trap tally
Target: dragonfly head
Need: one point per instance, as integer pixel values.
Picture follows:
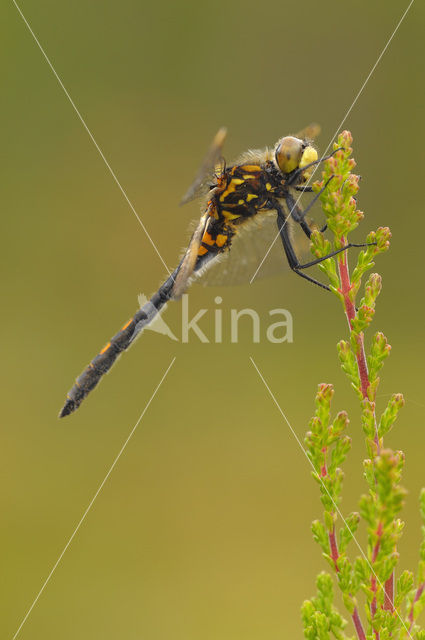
(292, 153)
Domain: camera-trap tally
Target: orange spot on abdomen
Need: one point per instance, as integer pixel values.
(105, 348)
(207, 238)
(221, 240)
(126, 325)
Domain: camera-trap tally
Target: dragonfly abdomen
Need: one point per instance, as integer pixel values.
(101, 364)
(98, 367)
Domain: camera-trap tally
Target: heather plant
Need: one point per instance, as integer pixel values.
(380, 605)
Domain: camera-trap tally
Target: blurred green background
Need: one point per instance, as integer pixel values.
(202, 530)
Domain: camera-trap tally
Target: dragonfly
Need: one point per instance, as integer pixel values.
(238, 200)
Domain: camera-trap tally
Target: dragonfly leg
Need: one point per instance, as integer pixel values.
(350, 245)
(305, 189)
(297, 214)
(316, 197)
(290, 252)
(292, 258)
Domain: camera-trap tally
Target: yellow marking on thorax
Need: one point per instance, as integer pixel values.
(251, 196)
(229, 215)
(251, 167)
(235, 182)
(268, 186)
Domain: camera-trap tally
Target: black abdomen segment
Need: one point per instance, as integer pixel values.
(119, 343)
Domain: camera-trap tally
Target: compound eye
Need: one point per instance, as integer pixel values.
(289, 153)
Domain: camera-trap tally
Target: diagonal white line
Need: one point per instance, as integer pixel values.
(90, 135)
(337, 509)
(336, 131)
(83, 517)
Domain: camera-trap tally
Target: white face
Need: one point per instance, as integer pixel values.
(292, 153)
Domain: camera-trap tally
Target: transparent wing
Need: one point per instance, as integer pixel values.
(249, 246)
(206, 170)
(189, 260)
(310, 132)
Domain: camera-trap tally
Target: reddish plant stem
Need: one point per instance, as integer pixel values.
(358, 625)
(419, 592)
(373, 582)
(389, 593)
(334, 548)
(355, 615)
(324, 469)
(333, 545)
(350, 312)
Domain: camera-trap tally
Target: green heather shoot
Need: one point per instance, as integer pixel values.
(380, 603)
